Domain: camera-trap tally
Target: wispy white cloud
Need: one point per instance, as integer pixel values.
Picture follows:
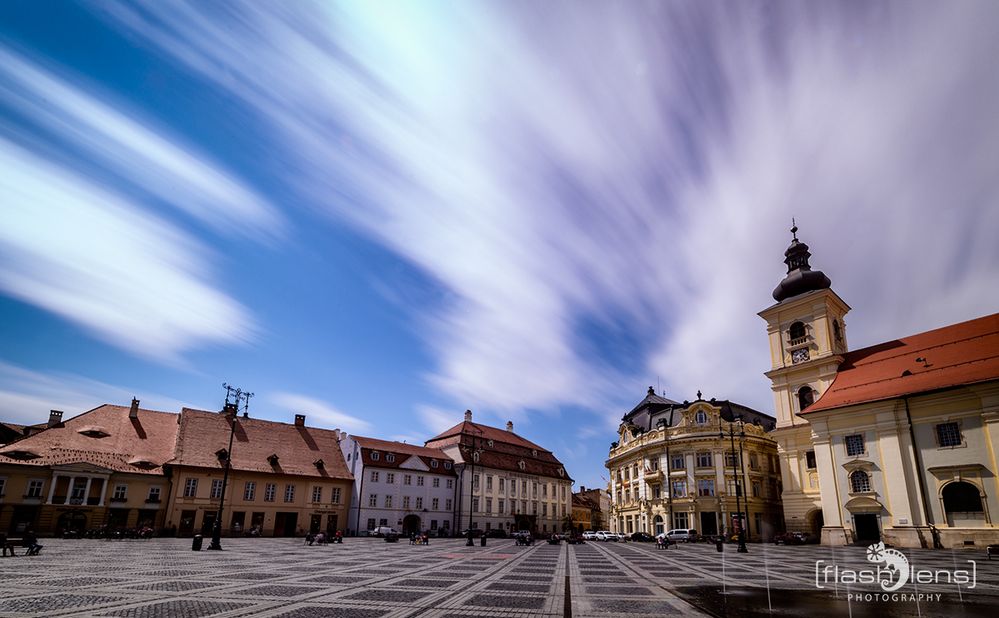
(130, 278)
(26, 396)
(632, 164)
(140, 153)
(319, 412)
(436, 420)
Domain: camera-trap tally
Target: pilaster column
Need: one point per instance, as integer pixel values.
(55, 478)
(86, 492)
(104, 490)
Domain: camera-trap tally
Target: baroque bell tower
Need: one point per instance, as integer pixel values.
(807, 336)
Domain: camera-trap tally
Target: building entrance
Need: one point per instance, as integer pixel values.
(866, 528)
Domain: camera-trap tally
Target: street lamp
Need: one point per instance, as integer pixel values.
(230, 410)
(735, 472)
(472, 453)
(664, 425)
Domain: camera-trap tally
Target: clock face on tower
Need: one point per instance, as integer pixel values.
(800, 355)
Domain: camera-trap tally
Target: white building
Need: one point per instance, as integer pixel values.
(507, 482)
(406, 487)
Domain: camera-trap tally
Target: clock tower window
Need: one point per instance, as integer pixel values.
(806, 397)
(796, 333)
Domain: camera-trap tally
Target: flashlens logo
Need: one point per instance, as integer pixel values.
(893, 560)
(891, 571)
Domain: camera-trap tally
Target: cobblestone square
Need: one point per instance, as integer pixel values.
(368, 578)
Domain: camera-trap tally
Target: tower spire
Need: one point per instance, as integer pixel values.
(800, 276)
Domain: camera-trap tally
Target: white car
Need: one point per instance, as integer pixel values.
(685, 535)
(623, 537)
(605, 535)
(589, 535)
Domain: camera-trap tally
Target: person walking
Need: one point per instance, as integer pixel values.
(31, 542)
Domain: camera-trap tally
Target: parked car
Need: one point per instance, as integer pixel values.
(606, 535)
(496, 533)
(643, 537)
(590, 535)
(382, 531)
(476, 533)
(684, 535)
(621, 536)
(792, 538)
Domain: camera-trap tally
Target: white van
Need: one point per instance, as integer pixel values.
(383, 531)
(686, 535)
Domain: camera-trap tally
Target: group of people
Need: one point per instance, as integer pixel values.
(322, 538)
(421, 538)
(30, 541)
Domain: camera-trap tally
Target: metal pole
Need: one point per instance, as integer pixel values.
(738, 490)
(217, 525)
(471, 493)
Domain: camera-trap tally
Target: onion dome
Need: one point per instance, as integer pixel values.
(800, 276)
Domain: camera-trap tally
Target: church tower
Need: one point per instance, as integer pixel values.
(807, 341)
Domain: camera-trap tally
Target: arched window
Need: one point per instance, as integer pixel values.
(860, 482)
(701, 418)
(962, 497)
(796, 332)
(806, 397)
(657, 522)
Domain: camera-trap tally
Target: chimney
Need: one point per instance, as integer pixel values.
(230, 409)
(55, 418)
(582, 489)
(509, 426)
(468, 416)
(299, 420)
(133, 412)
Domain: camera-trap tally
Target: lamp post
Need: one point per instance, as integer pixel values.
(472, 453)
(735, 473)
(231, 410)
(662, 424)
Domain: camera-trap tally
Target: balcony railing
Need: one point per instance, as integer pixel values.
(798, 340)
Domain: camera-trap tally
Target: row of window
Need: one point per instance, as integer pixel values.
(502, 487)
(119, 494)
(446, 524)
(407, 479)
(678, 461)
(705, 487)
(250, 491)
(388, 502)
(556, 510)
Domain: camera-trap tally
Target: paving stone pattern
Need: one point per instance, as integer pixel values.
(368, 578)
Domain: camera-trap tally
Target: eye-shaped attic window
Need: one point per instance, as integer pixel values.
(93, 431)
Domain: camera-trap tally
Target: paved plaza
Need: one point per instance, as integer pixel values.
(368, 578)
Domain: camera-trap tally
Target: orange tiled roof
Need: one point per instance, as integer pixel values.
(150, 437)
(954, 355)
(203, 434)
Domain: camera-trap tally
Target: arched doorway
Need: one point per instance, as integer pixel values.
(658, 524)
(71, 521)
(815, 521)
(411, 524)
(963, 504)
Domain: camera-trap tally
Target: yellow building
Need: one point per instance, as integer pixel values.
(103, 467)
(677, 465)
(285, 479)
(896, 441)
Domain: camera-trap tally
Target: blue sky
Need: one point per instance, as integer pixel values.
(380, 214)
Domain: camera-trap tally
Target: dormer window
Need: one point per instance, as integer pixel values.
(433, 463)
(447, 465)
(475, 457)
(320, 465)
(701, 418)
(375, 455)
(273, 459)
(561, 471)
(521, 464)
(534, 452)
(222, 454)
(142, 462)
(22, 454)
(796, 333)
(489, 443)
(389, 457)
(93, 431)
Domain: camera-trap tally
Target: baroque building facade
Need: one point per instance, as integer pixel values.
(894, 442)
(695, 465)
(504, 480)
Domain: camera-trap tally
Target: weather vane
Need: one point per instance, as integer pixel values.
(237, 394)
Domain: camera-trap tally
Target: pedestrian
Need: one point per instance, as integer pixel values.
(6, 545)
(339, 536)
(31, 542)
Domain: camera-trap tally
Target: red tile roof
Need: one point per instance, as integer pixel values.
(150, 437)
(203, 434)
(955, 355)
(506, 452)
